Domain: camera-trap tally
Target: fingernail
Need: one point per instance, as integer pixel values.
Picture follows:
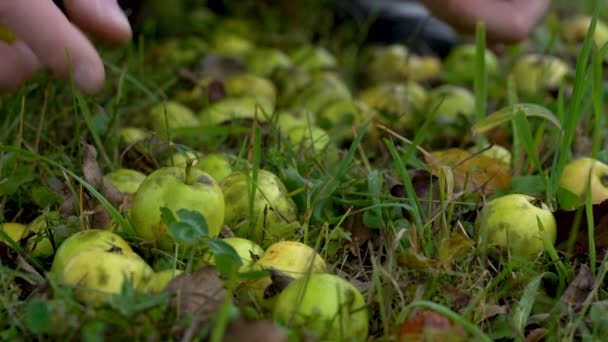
(116, 15)
(88, 78)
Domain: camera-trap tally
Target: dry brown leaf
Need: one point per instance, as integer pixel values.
(199, 294)
(455, 246)
(472, 172)
(428, 325)
(359, 231)
(426, 187)
(414, 261)
(579, 289)
(258, 330)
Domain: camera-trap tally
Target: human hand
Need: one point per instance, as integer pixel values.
(505, 20)
(44, 34)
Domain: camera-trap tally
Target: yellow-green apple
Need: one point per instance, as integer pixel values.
(293, 259)
(534, 73)
(14, 230)
(396, 102)
(323, 89)
(327, 305)
(171, 114)
(159, 280)
(97, 274)
(459, 65)
(512, 223)
(263, 61)
(125, 180)
(448, 101)
(423, 68)
(233, 108)
(251, 85)
(92, 239)
(273, 215)
(575, 28)
(176, 188)
(578, 172)
(310, 58)
(216, 165)
(247, 250)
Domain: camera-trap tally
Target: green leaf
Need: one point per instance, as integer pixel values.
(38, 316)
(508, 113)
(226, 258)
(191, 226)
(525, 304)
(528, 184)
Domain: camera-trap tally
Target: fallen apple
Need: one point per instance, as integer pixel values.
(216, 165)
(98, 274)
(388, 63)
(230, 45)
(535, 73)
(263, 61)
(578, 172)
(14, 230)
(96, 239)
(175, 188)
(171, 114)
(159, 280)
(125, 180)
(233, 108)
(248, 251)
(511, 223)
(273, 214)
(450, 101)
(396, 103)
(423, 68)
(38, 238)
(131, 135)
(460, 63)
(293, 259)
(329, 306)
(323, 89)
(311, 58)
(575, 29)
(309, 137)
(251, 85)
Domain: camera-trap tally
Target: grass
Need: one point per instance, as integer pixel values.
(406, 252)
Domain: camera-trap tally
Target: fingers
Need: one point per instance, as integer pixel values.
(506, 21)
(18, 63)
(48, 33)
(103, 18)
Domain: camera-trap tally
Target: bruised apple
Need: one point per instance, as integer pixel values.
(293, 259)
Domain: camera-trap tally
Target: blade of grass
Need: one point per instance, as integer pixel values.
(526, 302)
(480, 81)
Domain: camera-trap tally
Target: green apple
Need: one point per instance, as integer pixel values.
(171, 114)
(423, 68)
(535, 73)
(323, 89)
(98, 275)
(309, 137)
(131, 135)
(578, 172)
(459, 65)
(327, 305)
(233, 108)
(450, 101)
(263, 61)
(248, 251)
(125, 180)
(251, 85)
(388, 63)
(342, 117)
(396, 102)
(274, 212)
(39, 242)
(92, 239)
(310, 57)
(230, 45)
(289, 81)
(511, 223)
(181, 158)
(175, 188)
(216, 165)
(289, 119)
(159, 280)
(293, 258)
